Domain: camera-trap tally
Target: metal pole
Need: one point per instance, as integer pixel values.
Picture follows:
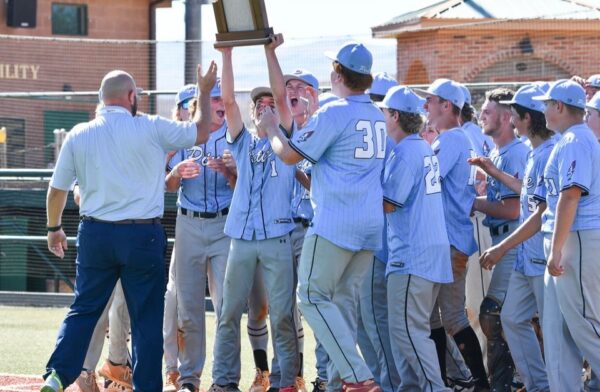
(193, 33)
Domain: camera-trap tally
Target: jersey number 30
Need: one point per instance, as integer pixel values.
(371, 146)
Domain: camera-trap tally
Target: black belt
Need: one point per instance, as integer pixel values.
(498, 230)
(305, 222)
(205, 215)
(149, 221)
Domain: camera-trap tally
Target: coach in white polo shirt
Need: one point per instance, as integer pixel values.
(118, 159)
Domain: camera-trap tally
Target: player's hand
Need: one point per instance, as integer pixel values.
(217, 165)
(484, 163)
(268, 119)
(186, 169)
(491, 257)
(207, 82)
(57, 243)
(276, 41)
(555, 267)
(229, 162)
(225, 50)
(578, 79)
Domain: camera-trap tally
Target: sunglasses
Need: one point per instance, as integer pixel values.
(185, 104)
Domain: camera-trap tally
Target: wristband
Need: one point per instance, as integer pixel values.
(175, 173)
(53, 229)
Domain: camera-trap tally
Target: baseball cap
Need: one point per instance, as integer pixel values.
(594, 103)
(466, 93)
(216, 90)
(186, 92)
(258, 92)
(354, 56)
(325, 98)
(304, 76)
(446, 89)
(565, 91)
(594, 80)
(524, 97)
(403, 99)
(382, 82)
(544, 86)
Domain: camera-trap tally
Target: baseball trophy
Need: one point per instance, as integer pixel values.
(241, 23)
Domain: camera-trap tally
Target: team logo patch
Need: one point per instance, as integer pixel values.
(305, 136)
(571, 170)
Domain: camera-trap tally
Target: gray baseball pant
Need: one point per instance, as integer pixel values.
(170, 324)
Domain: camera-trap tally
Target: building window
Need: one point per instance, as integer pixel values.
(69, 19)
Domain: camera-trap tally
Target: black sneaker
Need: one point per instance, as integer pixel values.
(319, 385)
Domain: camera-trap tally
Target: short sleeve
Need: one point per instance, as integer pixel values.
(64, 175)
(447, 152)
(174, 135)
(398, 181)
(315, 137)
(514, 166)
(575, 167)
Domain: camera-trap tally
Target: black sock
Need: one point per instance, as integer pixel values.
(469, 347)
(438, 336)
(301, 367)
(260, 360)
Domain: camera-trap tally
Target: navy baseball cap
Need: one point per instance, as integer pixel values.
(524, 97)
(354, 56)
(594, 103)
(325, 98)
(565, 91)
(403, 99)
(382, 82)
(187, 92)
(446, 89)
(304, 76)
(594, 81)
(258, 92)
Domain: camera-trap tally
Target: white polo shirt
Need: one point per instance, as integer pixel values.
(119, 163)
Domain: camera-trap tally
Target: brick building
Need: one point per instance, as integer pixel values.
(60, 50)
(496, 41)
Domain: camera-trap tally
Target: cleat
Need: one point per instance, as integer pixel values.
(87, 381)
(52, 383)
(120, 374)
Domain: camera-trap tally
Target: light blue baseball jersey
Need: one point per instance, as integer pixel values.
(510, 159)
(210, 191)
(345, 142)
(301, 206)
(530, 253)
(574, 161)
(482, 143)
(453, 149)
(260, 208)
(131, 151)
(417, 239)
(382, 253)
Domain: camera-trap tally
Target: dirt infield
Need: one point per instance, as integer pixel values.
(21, 383)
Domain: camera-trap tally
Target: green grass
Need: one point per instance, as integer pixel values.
(28, 336)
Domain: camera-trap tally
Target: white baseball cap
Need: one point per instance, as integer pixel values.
(565, 91)
(524, 97)
(446, 89)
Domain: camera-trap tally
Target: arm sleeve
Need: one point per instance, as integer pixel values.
(64, 173)
(315, 138)
(237, 144)
(174, 135)
(513, 166)
(575, 167)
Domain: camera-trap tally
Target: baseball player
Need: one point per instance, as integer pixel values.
(444, 102)
(525, 293)
(591, 85)
(204, 195)
(372, 326)
(345, 142)
(501, 205)
(482, 143)
(571, 239)
(259, 224)
(419, 252)
(592, 114)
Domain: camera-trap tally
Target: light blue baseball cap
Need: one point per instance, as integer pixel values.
(565, 91)
(446, 89)
(524, 97)
(304, 76)
(325, 98)
(594, 81)
(403, 99)
(544, 86)
(354, 56)
(216, 90)
(594, 103)
(382, 82)
(466, 93)
(187, 92)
